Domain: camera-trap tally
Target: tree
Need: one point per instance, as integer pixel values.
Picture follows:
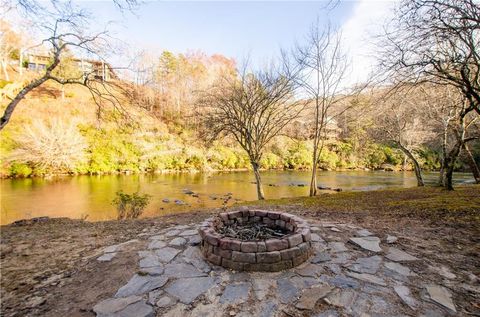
(455, 128)
(402, 121)
(10, 44)
(253, 108)
(323, 67)
(436, 41)
(67, 29)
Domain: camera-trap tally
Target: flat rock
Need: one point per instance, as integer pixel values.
(167, 254)
(315, 237)
(128, 306)
(157, 237)
(368, 243)
(110, 249)
(335, 229)
(327, 313)
(156, 244)
(441, 295)
(343, 282)
(337, 246)
(107, 257)
(443, 271)
(312, 295)
(178, 242)
(235, 293)
(193, 255)
(398, 268)
(165, 301)
(153, 296)
(182, 270)
(404, 293)
(342, 257)
(186, 290)
(321, 257)
(261, 287)
(188, 233)
(172, 233)
(287, 291)
(398, 255)
(195, 240)
(391, 239)
(309, 270)
(367, 278)
(154, 270)
(140, 284)
(149, 261)
(368, 265)
(363, 233)
(342, 298)
(268, 309)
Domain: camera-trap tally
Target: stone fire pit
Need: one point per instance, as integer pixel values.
(274, 254)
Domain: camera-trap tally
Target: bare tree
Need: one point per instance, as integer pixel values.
(403, 122)
(253, 108)
(455, 127)
(67, 33)
(436, 41)
(323, 67)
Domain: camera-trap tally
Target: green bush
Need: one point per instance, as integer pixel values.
(270, 161)
(130, 206)
(20, 170)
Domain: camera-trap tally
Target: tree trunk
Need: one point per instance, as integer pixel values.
(313, 181)
(471, 162)
(416, 165)
(256, 171)
(450, 164)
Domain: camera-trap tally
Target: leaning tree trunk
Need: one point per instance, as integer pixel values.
(416, 165)
(471, 162)
(256, 171)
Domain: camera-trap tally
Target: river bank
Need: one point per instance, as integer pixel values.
(90, 197)
(48, 265)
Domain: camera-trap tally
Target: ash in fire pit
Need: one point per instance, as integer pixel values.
(256, 240)
(251, 231)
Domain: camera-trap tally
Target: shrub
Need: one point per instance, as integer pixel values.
(130, 206)
(20, 170)
(50, 145)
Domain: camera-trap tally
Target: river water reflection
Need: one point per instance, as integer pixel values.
(82, 196)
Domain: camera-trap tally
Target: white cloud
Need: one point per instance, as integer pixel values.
(366, 21)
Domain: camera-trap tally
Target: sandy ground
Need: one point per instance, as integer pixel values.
(49, 268)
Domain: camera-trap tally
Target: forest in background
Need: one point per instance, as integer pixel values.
(61, 129)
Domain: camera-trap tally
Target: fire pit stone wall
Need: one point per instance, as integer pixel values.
(271, 255)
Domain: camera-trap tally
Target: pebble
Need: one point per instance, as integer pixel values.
(391, 239)
(107, 257)
(363, 233)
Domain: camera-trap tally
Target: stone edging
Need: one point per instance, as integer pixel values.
(271, 255)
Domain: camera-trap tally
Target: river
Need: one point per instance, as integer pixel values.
(90, 196)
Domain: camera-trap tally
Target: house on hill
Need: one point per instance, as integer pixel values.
(100, 70)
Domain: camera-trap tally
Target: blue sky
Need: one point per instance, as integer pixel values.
(234, 29)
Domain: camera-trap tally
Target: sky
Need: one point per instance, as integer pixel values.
(241, 29)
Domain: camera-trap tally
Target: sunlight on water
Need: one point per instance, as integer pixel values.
(91, 196)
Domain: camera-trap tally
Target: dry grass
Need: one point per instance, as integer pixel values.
(435, 205)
